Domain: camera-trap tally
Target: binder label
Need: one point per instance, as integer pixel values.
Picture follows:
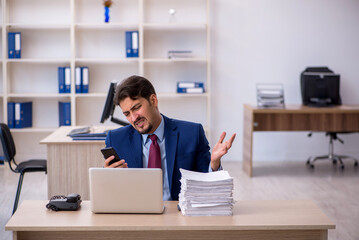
(78, 76)
(67, 80)
(134, 40)
(17, 42)
(85, 76)
(17, 111)
(67, 76)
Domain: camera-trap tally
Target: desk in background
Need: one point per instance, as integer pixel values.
(251, 220)
(344, 118)
(68, 161)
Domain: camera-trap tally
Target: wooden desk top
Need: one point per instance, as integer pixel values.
(248, 215)
(305, 109)
(60, 135)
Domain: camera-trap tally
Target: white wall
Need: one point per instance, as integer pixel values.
(273, 41)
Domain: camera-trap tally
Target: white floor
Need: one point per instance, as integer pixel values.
(335, 191)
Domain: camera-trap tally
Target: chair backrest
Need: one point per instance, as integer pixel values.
(7, 142)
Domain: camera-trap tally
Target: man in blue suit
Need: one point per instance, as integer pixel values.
(180, 144)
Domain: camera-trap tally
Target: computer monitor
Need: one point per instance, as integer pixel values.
(109, 107)
(320, 87)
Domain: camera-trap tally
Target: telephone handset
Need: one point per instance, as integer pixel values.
(65, 203)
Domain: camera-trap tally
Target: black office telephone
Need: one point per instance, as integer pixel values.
(64, 203)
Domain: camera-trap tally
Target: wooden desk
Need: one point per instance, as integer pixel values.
(68, 162)
(251, 220)
(343, 118)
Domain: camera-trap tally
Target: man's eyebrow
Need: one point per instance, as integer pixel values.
(134, 106)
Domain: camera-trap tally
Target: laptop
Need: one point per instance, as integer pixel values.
(126, 190)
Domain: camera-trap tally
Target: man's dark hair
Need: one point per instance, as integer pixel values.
(134, 87)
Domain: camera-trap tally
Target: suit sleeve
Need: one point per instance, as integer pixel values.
(203, 155)
(108, 140)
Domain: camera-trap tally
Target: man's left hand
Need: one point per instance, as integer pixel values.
(220, 149)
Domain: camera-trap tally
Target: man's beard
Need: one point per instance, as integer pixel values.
(145, 130)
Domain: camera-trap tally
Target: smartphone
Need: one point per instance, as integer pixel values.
(108, 152)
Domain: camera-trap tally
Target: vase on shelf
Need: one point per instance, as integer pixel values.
(107, 14)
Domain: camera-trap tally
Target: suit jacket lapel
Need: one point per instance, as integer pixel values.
(171, 136)
(136, 144)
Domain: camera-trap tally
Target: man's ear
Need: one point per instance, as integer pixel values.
(154, 100)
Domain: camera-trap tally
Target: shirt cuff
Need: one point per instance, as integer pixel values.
(219, 169)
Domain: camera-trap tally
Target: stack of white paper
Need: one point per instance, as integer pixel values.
(270, 95)
(206, 194)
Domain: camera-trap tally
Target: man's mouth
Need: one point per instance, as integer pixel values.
(140, 122)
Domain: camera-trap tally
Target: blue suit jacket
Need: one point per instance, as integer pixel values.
(186, 147)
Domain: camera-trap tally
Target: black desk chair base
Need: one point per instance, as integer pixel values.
(331, 156)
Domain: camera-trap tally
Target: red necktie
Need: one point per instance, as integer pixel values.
(154, 158)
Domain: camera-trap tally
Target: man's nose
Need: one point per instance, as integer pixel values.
(133, 117)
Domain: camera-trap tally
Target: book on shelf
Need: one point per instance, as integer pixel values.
(64, 114)
(270, 95)
(187, 84)
(78, 79)
(179, 54)
(19, 114)
(11, 45)
(85, 80)
(131, 44)
(61, 79)
(14, 45)
(82, 79)
(190, 90)
(64, 79)
(11, 114)
(206, 194)
(23, 114)
(67, 80)
(190, 87)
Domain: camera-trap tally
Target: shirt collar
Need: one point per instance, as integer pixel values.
(160, 131)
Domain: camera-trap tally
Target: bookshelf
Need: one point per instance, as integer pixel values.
(73, 33)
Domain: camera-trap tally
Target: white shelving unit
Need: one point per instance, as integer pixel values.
(73, 33)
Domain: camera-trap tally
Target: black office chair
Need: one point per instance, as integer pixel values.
(34, 165)
(331, 156)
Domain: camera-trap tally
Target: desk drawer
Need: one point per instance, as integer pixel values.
(325, 122)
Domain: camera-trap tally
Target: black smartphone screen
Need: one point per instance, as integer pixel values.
(108, 152)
